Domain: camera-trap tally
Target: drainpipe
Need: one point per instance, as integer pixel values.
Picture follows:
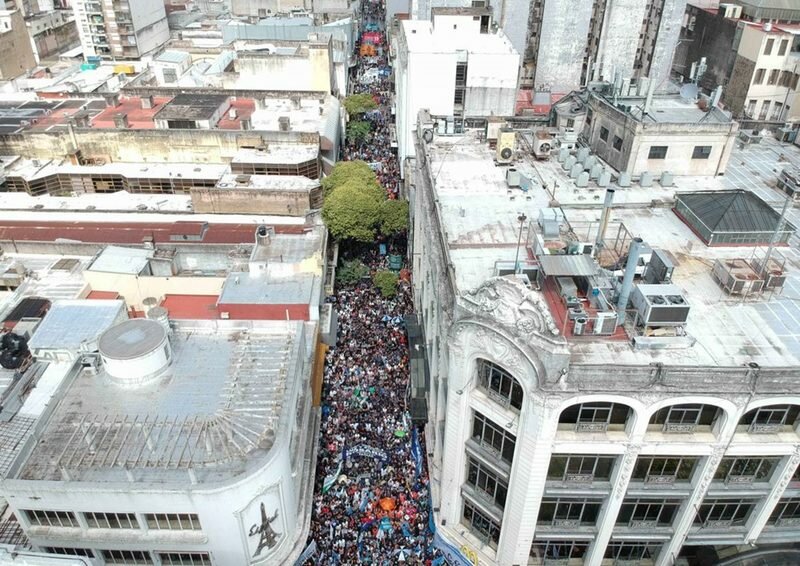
(627, 281)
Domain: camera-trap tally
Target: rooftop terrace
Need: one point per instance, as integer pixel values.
(479, 213)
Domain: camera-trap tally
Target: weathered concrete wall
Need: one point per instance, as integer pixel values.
(181, 146)
(311, 72)
(669, 31)
(16, 52)
(735, 96)
(620, 38)
(254, 201)
(562, 45)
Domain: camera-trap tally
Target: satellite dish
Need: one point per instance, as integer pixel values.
(689, 92)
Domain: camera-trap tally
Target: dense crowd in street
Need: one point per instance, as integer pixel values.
(371, 499)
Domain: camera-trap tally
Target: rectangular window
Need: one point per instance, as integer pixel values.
(632, 552)
(173, 521)
(570, 122)
(589, 115)
(618, 143)
(66, 551)
(483, 479)
(569, 512)
(545, 551)
(786, 513)
(751, 108)
(111, 521)
(604, 134)
(724, 512)
(663, 470)
(500, 384)
(595, 417)
(648, 512)
(126, 557)
(51, 518)
(746, 470)
(580, 469)
(768, 46)
(777, 111)
(764, 109)
(461, 83)
(491, 436)
(773, 77)
(170, 75)
(184, 558)
(481, 525)
(783, 47)
(657, 152)
(758, 78)
(701, 152)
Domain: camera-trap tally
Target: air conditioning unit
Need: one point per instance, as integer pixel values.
(580, 325)
(542, 145)
(659, 269)
(506, 144)
(660, 305)
(605, 323)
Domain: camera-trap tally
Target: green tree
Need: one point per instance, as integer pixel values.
(386, 282)
(357, 131)
(344, 172)
(394, 217)
(352, 211)
(356, 104)
(351, 271)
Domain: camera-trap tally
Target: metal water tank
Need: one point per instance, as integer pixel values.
(580, 325)
(583, 154)
(160, 315)
(569, 163)
(624, 180)
(667, 179)
(604, 179)
(563, 153)
(646, 179)
(576, 170)
(582, 180)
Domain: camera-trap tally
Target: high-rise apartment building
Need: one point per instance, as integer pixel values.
(121, 29)
(564, 45)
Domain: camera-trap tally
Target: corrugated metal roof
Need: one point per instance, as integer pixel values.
(733, 211)
(69, 324)
(568, 265)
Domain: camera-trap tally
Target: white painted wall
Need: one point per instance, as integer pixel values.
(562, 45)
(620, 39)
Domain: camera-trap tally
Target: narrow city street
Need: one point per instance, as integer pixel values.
(371, 502)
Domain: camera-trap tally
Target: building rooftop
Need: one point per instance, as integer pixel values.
(267, 182)
(192, 107)
(258, 289)
(277, 154)
(116, 259)
(665, 108)
(76, 324)
(479, 214)
(214, 414)
(421, 36)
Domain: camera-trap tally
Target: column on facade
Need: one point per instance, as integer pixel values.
(535, 434)
(608, 517)
(784, 475)
(685, 519)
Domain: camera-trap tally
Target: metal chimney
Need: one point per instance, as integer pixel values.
(601, 232)
(627, 281)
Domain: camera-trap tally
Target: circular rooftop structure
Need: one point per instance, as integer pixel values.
(135, 351)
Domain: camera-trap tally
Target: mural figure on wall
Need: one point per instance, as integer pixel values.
(269, 538)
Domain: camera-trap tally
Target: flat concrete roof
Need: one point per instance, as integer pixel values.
(479, 213)
(191, 107)
(194, 417)
(117, 259)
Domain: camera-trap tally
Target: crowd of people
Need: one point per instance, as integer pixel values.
(371, 499)
(372, 76)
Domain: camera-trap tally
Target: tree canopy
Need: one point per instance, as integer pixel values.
(357, 131)
(353, 211)
(351, 272)
(394, 217)
(356, 104)
(386, 282)
(345, 172)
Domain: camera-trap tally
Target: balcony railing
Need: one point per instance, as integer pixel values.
(660, 480)
(591, 427)
(579, 478)
(761, 428)
(679, 428)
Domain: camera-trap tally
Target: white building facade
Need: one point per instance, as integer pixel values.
(556, 449)
(112, 29)
(454, 66)
(204, 455)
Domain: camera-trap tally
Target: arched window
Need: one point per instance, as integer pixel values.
(595, 416)
(769, 419)
(685, 418)
(500, 384)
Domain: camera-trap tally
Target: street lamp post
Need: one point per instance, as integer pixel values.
(521, 218)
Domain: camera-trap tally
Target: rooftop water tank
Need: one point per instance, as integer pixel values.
(135, 352)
